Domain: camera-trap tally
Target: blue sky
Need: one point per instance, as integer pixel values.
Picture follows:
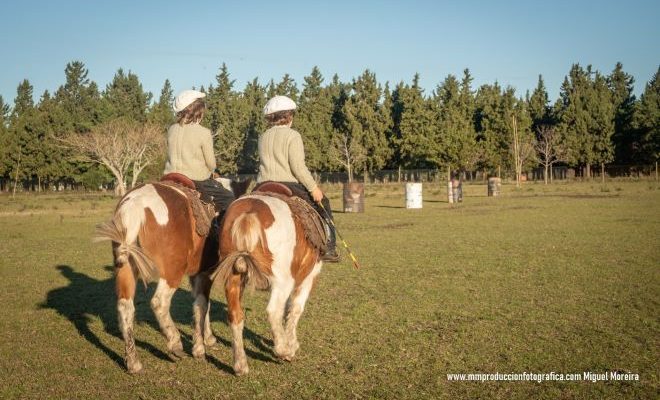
(509, 41)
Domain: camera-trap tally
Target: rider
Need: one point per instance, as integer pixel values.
(282, 159)
(190, 149)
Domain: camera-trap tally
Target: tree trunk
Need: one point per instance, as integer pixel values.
(450, 192)
(545, 174)
(587, 171)
(552, 173)
(120, 187)
(602, 172)
(18, 167)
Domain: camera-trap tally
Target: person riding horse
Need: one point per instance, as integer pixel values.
(282, 159)
(190, 149)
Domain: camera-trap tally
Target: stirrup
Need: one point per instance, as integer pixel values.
(331, 257)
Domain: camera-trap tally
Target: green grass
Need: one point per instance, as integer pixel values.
(560, 278)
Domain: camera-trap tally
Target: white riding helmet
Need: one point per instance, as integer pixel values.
(186, 98)
(279, 103)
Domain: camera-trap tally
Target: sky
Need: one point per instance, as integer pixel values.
(508, 41)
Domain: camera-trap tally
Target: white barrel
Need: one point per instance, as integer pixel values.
(413, 195)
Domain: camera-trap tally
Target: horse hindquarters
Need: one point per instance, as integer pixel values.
(262, 242)
(125, 281)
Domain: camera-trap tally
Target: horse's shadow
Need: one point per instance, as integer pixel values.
(86, 297)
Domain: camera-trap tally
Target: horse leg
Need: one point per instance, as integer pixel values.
(160, 304)
(125, 288)
(233, 289)
(296, 307)
(209, 338)
(201, 288)
(275, 310)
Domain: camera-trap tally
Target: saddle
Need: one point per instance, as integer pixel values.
(203, 211)
(303, 212)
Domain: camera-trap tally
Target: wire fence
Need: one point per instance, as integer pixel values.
(557, 173)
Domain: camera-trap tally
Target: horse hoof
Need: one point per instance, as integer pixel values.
(285, 356)
(199, 354)
(211, 341)
(177, 354)
(240, 370)
(135, 368)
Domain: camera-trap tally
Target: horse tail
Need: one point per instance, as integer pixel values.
(126, 248)
(245, 236)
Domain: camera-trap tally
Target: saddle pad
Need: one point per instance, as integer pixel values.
(203, 213)
(309, 218)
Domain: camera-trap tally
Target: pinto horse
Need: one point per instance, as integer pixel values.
(154, 238)
(263, 245)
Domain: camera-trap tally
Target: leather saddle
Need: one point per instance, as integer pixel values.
(180, 179)
(273, 187)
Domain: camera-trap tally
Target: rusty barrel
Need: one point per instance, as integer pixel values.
(353, 197)
(494, 186)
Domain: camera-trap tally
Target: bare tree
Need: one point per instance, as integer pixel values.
(124, 147)
(523, 150)
(549, 148)
(348, 152)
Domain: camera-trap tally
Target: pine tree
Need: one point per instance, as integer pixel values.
(125, 98)
(365, 124)
(647, 122)
(79, 100)
(586, 117)
(539, 106)
(24, 101)
(491, 127)
(621, 85)
(287, 87)
(455, 136)
(574, 119)
(387, 118)
(22, 139)
(4, 143)
(224, 119)
(161, 112)
(413, 123)
(602, 112)
(252, 104)
(314, 121)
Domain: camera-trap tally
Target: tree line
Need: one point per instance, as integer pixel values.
(358, 127)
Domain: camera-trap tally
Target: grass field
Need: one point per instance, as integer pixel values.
(563, 278)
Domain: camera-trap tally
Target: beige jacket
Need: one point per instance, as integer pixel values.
(190, 151)
(282, 157)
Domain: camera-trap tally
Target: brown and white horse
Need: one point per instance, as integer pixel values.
(154, 238)
(261, 244)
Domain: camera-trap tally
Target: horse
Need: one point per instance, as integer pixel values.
(263, 245)
(153, 234)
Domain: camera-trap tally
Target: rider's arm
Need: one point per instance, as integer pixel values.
(209, 155)
(297, 163)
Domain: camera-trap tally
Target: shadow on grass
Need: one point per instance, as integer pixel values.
(85, 298)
